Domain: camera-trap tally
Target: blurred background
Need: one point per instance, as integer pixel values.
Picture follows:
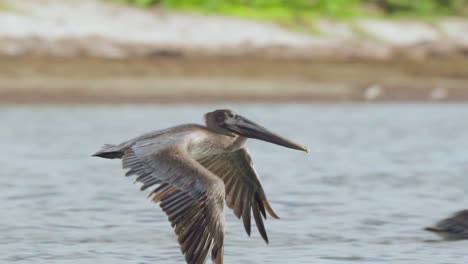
(376, 88)
(265, 50)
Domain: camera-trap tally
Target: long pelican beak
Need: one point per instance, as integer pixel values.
(246, 128)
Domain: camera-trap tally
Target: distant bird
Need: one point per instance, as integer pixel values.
(454, 227)
(196, 168)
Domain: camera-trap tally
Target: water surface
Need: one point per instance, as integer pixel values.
(376, 175)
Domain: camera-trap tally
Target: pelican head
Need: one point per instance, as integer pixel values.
(226, 122)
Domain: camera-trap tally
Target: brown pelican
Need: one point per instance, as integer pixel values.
(196, 168)
(454, 227)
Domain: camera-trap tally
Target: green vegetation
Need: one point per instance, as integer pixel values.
(304, 10)
(4, 7)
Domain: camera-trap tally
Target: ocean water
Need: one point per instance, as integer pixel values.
(376, 175)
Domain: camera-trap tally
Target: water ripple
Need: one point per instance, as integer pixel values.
(376, 175)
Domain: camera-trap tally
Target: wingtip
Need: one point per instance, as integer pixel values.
(98, 154)
(270, 210)
(273, 214)
(431, 229)
(247, 230)
(218, 255)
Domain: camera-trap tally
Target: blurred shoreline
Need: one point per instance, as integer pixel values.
(220, 79)
(92, 51)
(103, 29)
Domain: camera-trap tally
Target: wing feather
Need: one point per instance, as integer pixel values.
(244, 191)
(190, 195)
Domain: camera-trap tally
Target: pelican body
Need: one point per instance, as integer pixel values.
(454, 227)
(195, 170)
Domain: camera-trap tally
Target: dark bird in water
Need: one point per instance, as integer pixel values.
(454, 227)
(196, 168)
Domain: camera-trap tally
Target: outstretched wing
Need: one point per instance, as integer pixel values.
(190, 195)
(244, 192)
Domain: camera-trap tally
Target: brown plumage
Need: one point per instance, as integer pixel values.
(196, 169)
